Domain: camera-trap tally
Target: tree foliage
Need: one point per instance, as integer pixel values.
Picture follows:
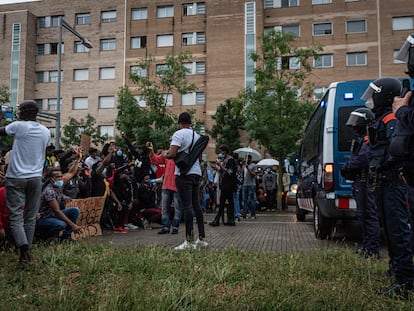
(229, 120)
(275, 114)
(4, 94)
(75, 128)
(155, 122)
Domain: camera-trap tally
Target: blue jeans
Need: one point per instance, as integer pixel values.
(236, 202)
(167, 196)
(398, 231)
(248, 199)
(188, 187)
(23, 192)
(51, 226)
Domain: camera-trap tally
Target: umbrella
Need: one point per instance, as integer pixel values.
(244, 152)
(268, 162)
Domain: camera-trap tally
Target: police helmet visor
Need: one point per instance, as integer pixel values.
(355, 117)
(403, 53)
(369, 92)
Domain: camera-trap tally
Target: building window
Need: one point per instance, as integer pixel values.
(164, 40)
(287, 62)
(193, 38)
(108, 17)
(322, 29)
(48, 21)
(48, 76)
(106, 102)
(402, 23)
(196, 98)
(107, 73)
(160, 69)
(323, 61)
(356, 26)
(197, 8)
(137, 70)
(356, 59)
(80, 75)
(108, 44)
(165, 11)
(106, 130)
(80, 103)
(51, 104)
(140, 101)
(314, 2)
(168, 99)
(52, 131)
(138, 42)
(80, 48)
(195, 68)
(269, 4)
(318, 92)
(83, 19)
(293, 29)
(139, 14)
(48, 49)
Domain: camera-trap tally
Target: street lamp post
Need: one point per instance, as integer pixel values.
(85, 42)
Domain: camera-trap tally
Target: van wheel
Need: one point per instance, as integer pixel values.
(322, 226)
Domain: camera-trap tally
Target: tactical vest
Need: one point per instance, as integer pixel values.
(379, 142)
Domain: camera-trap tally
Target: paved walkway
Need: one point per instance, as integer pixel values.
(270, 232)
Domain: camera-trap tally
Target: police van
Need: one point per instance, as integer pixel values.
(325, 148)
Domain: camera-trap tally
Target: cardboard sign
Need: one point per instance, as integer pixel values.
(85, 143)
(90, 216)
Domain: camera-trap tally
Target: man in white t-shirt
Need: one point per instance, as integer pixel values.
(188, 185)
(24, 176)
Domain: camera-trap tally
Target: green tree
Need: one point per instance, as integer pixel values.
(75, 128)
(4, 94)
(275, 115)
(155, 122)
(7, 141)
(229, 120)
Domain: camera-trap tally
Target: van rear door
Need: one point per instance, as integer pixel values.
(347, 99)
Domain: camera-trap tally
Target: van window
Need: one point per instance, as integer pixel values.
(345, 133)
(312, 141)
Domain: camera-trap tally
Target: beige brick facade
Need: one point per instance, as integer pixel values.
(224, 27)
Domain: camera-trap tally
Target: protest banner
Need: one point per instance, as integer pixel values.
(90, 216)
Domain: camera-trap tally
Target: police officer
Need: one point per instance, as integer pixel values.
(356, 169)
(392, 190)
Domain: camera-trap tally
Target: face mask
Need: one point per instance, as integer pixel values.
(58, 183)
(369, 103)
(119, 153)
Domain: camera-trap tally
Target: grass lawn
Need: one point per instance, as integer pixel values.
(80, 276)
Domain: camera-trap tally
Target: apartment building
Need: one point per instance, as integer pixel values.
(360, 38)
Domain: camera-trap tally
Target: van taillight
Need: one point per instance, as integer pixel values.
(328, 177)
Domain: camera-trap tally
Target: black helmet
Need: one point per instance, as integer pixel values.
(359, 119)
(380, 93)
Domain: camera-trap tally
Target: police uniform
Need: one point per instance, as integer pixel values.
(356, 169)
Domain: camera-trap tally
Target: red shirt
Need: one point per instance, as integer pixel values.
(169, 176)
(4, 212)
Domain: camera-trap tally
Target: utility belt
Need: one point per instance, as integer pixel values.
(362, 176)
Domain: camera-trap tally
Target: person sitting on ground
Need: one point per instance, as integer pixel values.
(53, 219)
(146, 201)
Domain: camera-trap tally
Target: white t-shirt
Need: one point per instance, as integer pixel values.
(182, 138)
(29, 149)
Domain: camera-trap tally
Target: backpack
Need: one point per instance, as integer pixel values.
(186, 160)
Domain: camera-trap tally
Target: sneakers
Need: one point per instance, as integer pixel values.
(163, 231)
(174, 231)
(185, 245)
(120, 230)
(130, 227)
(200, 243)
